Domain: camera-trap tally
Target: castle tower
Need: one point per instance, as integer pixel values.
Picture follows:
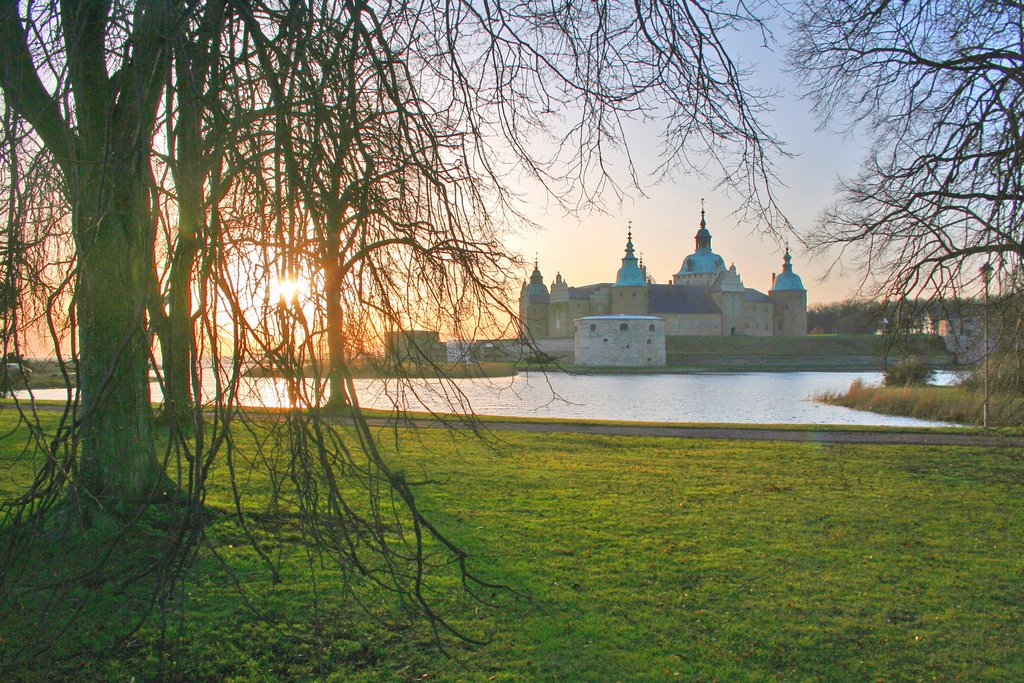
(729, 295)
(629, 295)
(703, 265)
(790, 299)
(534, 300)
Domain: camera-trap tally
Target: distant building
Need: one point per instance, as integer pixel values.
(416, 346)
(704, 298)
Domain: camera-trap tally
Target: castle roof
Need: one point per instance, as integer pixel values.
(787, 280)
(680, 299)
(630, 274)
(585, 291)
(702, 260)
(537, 291)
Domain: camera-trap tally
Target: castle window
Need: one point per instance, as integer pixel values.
(650, 328)
(593, 327)
(634, 295)
(648, 341)
(624, 327)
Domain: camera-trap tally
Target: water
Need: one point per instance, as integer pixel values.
(754, 397)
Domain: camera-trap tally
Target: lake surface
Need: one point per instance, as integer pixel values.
(754, 397)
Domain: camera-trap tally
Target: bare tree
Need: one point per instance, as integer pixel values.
(938, 86)
(210, 152)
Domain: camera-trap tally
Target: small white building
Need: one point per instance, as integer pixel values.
(620, 340)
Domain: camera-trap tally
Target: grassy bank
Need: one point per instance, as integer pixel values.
(948, 404)
(811, 352)
(640, 559)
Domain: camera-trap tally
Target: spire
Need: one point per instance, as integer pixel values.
(630, 273)
(787, 261)
(703, 237)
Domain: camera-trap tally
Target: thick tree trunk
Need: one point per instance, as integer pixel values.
(178, 341)
(335, 334)
(118, 458)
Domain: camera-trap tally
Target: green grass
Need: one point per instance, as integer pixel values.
(642, 559)
(810, 352)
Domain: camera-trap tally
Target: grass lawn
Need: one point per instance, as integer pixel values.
(639, 559)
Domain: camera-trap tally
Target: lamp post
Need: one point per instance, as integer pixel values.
(986, 277)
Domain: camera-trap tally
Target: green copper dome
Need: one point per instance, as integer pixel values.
(787, 280)
(537, 290)
(702, 260)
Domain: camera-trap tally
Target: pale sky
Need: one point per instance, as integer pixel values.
(590, 249)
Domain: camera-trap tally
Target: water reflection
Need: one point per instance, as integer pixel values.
(756, 397)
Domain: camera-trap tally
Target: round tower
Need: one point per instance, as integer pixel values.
(629, 295)
(534, 300)
(790, 299)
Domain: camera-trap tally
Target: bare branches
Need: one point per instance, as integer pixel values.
(939, 85)
(259, 185)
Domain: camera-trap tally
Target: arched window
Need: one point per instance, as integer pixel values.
(650, 328)
(593, 327)
(624, 327)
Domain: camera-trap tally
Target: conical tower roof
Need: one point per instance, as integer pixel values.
(630, 274)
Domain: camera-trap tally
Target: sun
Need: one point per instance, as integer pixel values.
(289, 289)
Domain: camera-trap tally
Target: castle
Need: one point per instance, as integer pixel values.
(705, 298)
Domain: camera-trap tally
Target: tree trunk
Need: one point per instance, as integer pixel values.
(177, 341)
(335, 332)
(118, 460)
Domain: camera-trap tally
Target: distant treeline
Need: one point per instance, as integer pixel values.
(863, 316)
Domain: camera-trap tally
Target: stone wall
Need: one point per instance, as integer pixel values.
(620, 340)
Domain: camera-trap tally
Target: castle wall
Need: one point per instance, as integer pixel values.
(733, 309)
(791, 313)
(628, 301)
(692, 324)
(620, 341)
(535, 317)
(562, 314)
(758, 319)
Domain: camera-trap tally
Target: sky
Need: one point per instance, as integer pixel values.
(589, 249)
